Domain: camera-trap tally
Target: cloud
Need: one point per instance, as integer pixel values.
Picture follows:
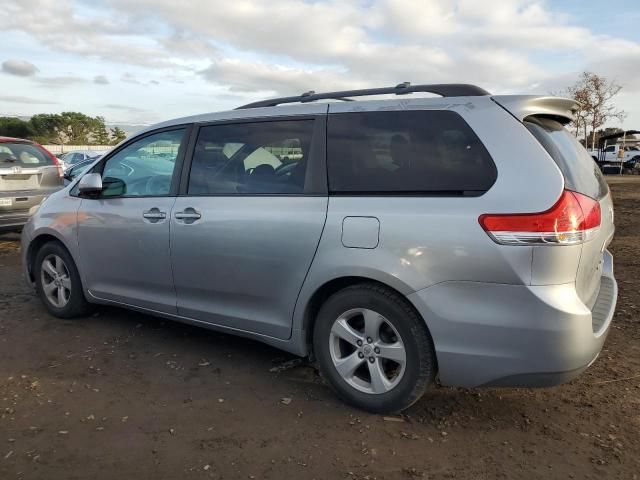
(279, 47)
(244, 76)
(99, 33)
(101, 80)
(25, 100)
(129, 78)
(59, 82)
(317, 44)
(128, 108)
(20, 68)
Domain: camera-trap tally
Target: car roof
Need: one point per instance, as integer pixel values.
(13, 140)
(520, 106)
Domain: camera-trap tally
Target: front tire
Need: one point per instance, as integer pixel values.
(58, 282)
(373, 348)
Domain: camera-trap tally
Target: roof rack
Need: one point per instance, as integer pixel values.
(443, 89)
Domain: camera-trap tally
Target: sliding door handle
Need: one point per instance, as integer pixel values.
(154, 215)
(188, 215)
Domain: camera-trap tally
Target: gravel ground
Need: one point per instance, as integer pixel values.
(121, 394)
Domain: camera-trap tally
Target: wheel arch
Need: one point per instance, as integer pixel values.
(36, 244)
(331, 286)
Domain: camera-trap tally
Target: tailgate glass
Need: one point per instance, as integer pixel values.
(22, 155)
(580, 172)
(19, 166)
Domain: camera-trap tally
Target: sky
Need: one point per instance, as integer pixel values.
(144, 61)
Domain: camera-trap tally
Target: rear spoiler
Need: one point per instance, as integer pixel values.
(523, 106)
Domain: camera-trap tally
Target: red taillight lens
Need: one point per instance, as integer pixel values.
(56, 160)
(571, 220)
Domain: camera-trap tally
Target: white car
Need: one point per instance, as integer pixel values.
(615, 153)
(69, 159)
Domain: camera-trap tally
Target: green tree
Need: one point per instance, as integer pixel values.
(100, 134)
(77, 127)
(47, 128)
(117, 135)
(14, 127)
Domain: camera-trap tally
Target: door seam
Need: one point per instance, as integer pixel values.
(173, 279)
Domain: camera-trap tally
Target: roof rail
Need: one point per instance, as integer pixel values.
(443, 89)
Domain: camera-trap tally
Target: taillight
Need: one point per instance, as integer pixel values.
(56, 161)
(572, 220)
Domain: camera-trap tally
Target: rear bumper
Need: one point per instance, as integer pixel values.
(23, 205)
(515, 335)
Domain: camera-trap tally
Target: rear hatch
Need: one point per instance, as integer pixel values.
(581, 175)
(26, 167)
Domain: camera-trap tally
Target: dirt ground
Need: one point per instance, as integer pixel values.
(124, 395)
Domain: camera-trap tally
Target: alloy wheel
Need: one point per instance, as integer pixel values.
(56, 281)
(367, 351)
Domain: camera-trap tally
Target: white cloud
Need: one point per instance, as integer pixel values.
(279, 47)
(59, 81)
(101, 80)
(129, 78)
(21, 68)
(25, 100)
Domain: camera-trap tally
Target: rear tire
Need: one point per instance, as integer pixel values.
(373, 348)
(58, 282)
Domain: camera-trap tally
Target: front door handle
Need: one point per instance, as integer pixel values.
(154, 215)
(188, 215)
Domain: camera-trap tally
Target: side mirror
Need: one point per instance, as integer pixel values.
(90, 183)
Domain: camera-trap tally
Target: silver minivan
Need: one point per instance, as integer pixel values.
(398, 242)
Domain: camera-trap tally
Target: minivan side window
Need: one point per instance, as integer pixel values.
(143, 168)
(406, 152)
(268, 157)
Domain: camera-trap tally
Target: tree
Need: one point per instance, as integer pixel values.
(100, 135)
(47, 128)
(595, 94)
(77, 127)
(579, 93)
(117, 135)
(14, 127)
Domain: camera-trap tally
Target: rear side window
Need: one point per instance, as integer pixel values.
(406, 152)
(23, 155)
(581, 172)
(251, 158)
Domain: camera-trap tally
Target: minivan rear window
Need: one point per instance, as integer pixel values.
(581, 173)
(22, 155)
(422, 152)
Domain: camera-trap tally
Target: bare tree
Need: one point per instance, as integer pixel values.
(595, 94)
(579, 93)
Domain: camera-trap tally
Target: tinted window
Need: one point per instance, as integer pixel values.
(23, 155)
(251, 158)
(581, 173)
(430, 152)
(144, 167)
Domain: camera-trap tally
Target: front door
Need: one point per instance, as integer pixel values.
(245, 233)
(123, 233)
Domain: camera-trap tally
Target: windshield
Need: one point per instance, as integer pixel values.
(23, 155)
